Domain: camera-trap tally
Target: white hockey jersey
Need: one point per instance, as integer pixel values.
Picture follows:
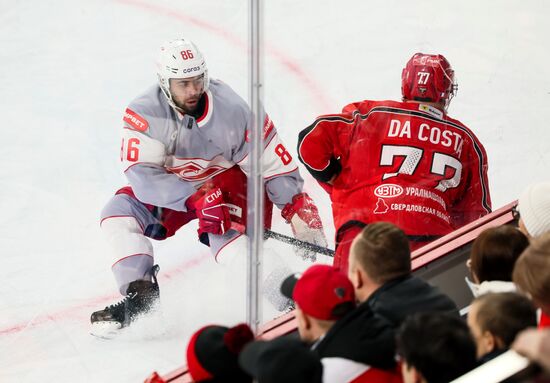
(167, 156)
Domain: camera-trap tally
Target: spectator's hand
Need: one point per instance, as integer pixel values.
(535, 345)
(211, 211)
(303, 216)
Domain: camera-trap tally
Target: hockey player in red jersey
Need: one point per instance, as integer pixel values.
(406, 162)
(185, 154)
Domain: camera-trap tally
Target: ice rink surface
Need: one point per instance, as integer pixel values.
(68, 70)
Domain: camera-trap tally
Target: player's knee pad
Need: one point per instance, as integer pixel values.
(132, 251)
(126, 237)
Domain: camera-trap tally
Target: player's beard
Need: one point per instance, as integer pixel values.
(187, 108)
(190, 109)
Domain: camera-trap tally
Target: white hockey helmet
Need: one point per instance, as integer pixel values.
(180, 59)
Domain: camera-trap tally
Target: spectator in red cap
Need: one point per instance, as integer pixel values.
(213, 351)
(324, 297)
(380, 270)
(281, 360)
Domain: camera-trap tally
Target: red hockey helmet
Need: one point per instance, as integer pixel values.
(428, 78)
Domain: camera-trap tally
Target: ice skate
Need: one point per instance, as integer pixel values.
(141, 297)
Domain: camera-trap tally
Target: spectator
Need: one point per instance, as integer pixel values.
(213, 351)
(495, 319)
(534, 209)
(281, 360)
(535, 345)
(492, 259)
(406, 162)
(380, 270)
(531, 275)
(435, 348)
(325, 300)
(322, 296)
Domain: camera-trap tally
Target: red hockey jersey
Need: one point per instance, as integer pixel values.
(405, 163)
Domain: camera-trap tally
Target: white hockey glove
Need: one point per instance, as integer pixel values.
(303, 217)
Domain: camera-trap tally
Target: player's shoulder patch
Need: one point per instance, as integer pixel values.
(135, 120)
(433, 111)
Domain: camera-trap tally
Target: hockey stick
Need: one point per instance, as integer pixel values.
(296, 242)
(286, 239)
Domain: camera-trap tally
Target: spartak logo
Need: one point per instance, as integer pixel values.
(388, 191)
(194, 172)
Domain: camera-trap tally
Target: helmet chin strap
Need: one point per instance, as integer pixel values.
(173, 105)
(170, 100)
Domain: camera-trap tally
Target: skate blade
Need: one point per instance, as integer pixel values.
(106, 330)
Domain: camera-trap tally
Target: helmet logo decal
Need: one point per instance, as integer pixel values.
(189, 70)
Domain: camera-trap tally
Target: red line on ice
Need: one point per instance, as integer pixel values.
(77, 312)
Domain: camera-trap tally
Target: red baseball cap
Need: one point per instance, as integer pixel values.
(321, 292)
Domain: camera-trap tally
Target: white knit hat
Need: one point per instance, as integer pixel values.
(534, 208)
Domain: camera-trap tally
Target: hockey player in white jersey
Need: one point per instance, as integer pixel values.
(185, 155)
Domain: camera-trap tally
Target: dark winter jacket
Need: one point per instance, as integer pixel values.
(361, 336)
(367, 334)
(397, 299)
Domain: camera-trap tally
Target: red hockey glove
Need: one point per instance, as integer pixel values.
(303, 216)
(211, 211)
